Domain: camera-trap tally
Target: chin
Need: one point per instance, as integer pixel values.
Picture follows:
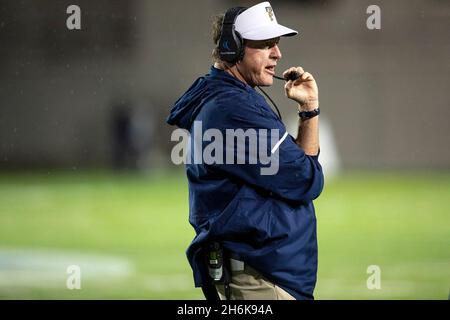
(267, 83)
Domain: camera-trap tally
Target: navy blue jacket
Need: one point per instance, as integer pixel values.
(266, 220)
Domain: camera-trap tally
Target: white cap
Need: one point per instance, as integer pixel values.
(259, 23)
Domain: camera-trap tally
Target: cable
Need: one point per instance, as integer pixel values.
(278, 111)
(279, 114)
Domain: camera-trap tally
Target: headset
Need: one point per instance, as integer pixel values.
(231, 44)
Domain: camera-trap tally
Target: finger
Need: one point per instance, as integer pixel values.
(306, 76)
(294, 69)
(292, 74)
(288, 86)
(291, 69)
(299, 70)
(285, 73)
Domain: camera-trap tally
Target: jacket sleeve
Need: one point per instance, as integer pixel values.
(277, 165)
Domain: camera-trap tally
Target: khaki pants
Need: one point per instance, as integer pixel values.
(249, 284)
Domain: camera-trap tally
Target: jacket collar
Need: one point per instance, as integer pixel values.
(222, 75)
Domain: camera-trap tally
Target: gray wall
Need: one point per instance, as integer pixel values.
(384, 92)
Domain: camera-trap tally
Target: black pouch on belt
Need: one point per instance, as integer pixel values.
(218, 269)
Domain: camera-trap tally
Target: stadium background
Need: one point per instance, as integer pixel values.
(85, 172)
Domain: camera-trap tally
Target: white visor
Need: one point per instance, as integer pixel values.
(259, 23)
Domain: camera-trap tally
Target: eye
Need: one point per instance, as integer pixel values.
(272, 43)
(263, 44)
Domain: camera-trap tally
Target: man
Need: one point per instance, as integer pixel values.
(265, 223)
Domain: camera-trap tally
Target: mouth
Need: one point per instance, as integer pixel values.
(271, 69)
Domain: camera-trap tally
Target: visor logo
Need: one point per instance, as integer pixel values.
(270, 13)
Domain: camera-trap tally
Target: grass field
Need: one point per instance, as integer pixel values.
(131, 232)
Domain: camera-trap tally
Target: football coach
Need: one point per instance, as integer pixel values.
(255, 233)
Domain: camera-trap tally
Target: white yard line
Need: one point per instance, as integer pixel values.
(46, 268)
(49, 268)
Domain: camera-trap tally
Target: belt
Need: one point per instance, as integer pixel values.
(237, 265)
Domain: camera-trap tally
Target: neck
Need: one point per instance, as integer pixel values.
(231, 70)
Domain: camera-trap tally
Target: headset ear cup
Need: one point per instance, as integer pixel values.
(231, 45)
(228, 46)
(240, 46)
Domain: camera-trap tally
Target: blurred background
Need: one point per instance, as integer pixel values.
(86, 177)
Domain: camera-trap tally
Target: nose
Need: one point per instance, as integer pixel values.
(275, 53)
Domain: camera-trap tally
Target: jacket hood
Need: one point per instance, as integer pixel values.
(190, 103)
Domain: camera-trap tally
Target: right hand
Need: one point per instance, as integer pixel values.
(303, 90)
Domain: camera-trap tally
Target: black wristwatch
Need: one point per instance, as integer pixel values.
(308, 114)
